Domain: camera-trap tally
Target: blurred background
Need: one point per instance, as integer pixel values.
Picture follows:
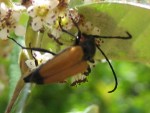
(131, 96)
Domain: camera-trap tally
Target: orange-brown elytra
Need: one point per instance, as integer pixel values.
(67, 63)
(70, 61)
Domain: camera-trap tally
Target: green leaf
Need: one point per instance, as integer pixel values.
(117, 18)
(14, 70)
(74, 3)
(19, 90)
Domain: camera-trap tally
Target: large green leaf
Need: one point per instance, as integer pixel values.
(116, 19)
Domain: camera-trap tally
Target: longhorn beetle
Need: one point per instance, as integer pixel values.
(70, 61)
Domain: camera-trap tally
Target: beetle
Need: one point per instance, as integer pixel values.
(72, 60)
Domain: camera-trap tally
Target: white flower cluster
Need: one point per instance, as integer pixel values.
(44, 14)
(89, 28)
(41, 58)
(9, 18)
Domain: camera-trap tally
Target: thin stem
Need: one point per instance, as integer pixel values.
(56, 40)
(36, 62)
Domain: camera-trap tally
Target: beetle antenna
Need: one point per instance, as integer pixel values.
(28, 48)
(76, 25)
(79, 31)
(115, 77)
(63, 30)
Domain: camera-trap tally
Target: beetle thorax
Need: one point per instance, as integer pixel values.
(88, 44)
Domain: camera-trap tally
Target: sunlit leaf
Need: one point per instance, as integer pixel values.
(116, 19)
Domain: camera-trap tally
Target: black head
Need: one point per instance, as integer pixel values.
(88, 44)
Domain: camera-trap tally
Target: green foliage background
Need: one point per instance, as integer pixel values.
(132, 95)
